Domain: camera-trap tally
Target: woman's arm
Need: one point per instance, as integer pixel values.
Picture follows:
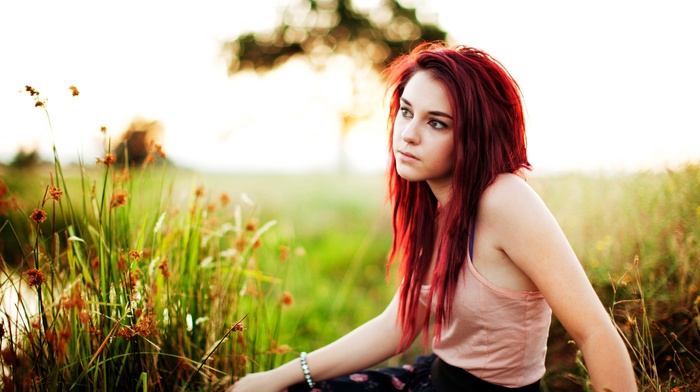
(365, 346)
(530, 236)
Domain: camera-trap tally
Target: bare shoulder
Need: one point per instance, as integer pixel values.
(509, 193)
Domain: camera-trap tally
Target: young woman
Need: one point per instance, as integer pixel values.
(474, 241)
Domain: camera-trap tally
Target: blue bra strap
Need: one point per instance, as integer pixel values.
(471, 240)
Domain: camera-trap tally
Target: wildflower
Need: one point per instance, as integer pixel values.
(38, 216)
(6, 205)
(35, 277)
(252, 225)
(55, 193)
(159, 151)
(240, 242)
(121, 264)
(284, 253)
(74, 91)
(119, 199)
(10, 357)
(126, 332)
(124, 176)
(75, 300)
(224, 199)
(63, 337)
(31, 90)
(84, 317)
(287, 299)
(109, 159)
(134, 255)
(276, 348)
(146, 325)
(163, 267)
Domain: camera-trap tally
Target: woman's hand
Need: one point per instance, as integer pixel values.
(257, 382)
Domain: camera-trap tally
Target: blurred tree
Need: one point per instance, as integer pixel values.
(25, 159)
(317, 30)
(136, 142)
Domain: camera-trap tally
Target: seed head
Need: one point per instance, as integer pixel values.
(126, 333)
(287, 299)
(146, 325)
(55, 193)
(134, 255)
(224, 199)
(276, 348)
(103, 129)
(163, 267)
(121, 264)
(74, 91)
(38, 216)
(109, 159)
(84, 317)
(124, 176)
(284, 253)
(35, 278)
(31, 90)
(159, 151)
(119, 199)
(252, 224)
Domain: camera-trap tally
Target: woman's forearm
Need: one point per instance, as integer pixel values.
(366, 346)
(608, 362)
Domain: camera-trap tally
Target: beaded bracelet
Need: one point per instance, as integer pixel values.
(307, 372)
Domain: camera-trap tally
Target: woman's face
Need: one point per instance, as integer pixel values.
(423, 141)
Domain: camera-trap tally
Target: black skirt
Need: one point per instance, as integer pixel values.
(426, 374)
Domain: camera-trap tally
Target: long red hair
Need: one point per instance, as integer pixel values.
(489, 139)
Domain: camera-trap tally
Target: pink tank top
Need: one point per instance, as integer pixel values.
(496, 334)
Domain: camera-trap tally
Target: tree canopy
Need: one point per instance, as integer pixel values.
(318, 29)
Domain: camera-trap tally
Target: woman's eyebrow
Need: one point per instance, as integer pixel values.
(433, 112)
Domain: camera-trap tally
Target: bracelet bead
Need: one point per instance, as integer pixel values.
(305, 369)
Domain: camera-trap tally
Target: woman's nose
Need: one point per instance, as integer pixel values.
(410, 133)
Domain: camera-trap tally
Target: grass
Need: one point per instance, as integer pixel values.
(157, 278)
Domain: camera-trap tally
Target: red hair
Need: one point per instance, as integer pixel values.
(489, 139)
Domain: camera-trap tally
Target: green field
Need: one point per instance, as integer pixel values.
(309, 276)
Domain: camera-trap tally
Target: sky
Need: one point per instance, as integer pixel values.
(609, 86)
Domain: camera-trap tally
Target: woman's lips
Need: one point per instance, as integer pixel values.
(406, 156)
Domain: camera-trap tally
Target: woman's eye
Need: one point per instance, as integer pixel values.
(437, 124)
(405, 112)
